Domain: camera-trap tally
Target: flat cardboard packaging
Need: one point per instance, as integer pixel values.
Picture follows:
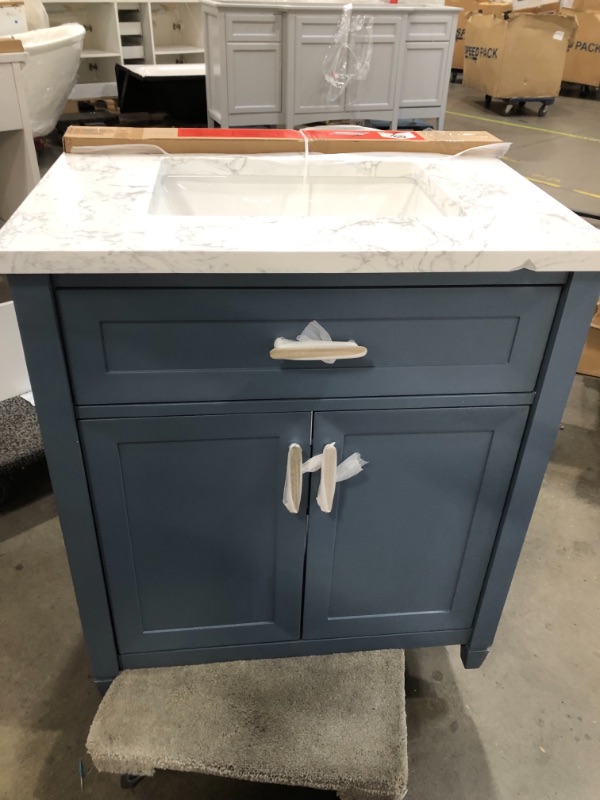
(590, 358)
(521, 56)
(255, 141)
(583, 56)
(468, 7)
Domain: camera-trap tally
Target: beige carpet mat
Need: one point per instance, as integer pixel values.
(328, 722)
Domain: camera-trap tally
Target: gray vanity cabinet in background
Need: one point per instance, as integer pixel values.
(313, 36)
(246, 95)
(265, 66)
(423, 80)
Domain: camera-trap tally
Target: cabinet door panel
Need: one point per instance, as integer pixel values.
(376, 92)
(314, 35)
(253, 77)
(407, 543)
(198, 548)
(424, 74)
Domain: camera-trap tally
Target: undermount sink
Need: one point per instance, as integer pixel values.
(188, 189)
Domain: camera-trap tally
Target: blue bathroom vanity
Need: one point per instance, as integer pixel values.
(150, 292)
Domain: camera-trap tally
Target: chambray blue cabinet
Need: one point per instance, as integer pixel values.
(167, 427)
(198, 548)
(200, 551)
(407, 543)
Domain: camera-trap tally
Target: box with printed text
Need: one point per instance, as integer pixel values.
(522, 55)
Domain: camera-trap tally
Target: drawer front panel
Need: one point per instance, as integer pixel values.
(429, 28)
(253, 27)
(176, 345)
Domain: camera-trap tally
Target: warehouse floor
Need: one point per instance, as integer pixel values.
(526, 725)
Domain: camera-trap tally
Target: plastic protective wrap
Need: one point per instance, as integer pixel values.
(50, 72)
(348, 468)
(314, 333)
(348, 59)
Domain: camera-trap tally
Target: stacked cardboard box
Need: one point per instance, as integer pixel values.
(469, 7)
(583, 57)
(522, 55)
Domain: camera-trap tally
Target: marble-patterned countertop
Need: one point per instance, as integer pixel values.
(91, 214)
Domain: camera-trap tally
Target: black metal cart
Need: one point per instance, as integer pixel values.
(585, 90)
(518, 103)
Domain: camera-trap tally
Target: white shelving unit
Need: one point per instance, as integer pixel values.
(130, 33)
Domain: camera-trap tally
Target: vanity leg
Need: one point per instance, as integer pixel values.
(210, 122)
(103, 684)
(129, 781)
(472, 659)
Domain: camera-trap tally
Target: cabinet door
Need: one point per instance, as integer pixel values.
(406, 546)
(376, 92)
(198, 548)
(424, 74)
(254, 77)
(314, 35)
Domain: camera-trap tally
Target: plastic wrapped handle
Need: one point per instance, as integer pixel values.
(331, 473)
(292, 491)
(290, 350)
(326, 493)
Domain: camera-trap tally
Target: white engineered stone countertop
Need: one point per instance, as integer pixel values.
(368, 213)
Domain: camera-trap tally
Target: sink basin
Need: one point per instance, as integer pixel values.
(205, 189)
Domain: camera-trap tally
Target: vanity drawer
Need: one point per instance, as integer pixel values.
(429, 28)
(177, 345)
(241, 27)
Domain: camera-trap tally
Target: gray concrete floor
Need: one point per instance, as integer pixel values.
(526, 725)
(560, 152)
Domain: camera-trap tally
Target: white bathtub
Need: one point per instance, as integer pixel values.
(50, 72)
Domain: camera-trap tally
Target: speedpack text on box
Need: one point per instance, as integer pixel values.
(474, 53)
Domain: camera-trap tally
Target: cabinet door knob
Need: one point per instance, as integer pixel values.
(326, 493)
(292, 490)
(290, 350)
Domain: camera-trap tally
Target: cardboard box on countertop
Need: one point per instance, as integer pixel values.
(582, 64)
(520, 56)
(255, 141)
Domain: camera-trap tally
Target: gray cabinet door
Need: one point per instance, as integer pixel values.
(313, 37)
(377, 91)
(407, 543)
(424, 74)
(198, 548)
(253, 77)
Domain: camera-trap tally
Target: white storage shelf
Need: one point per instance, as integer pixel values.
(130, 33)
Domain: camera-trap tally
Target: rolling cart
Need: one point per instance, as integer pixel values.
(585, 90)
(512, 103)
